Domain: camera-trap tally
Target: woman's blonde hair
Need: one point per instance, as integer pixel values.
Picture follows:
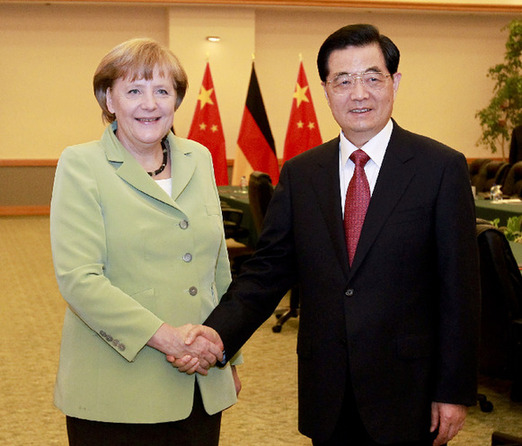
(137, 59)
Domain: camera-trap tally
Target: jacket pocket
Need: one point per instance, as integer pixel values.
(407, 215)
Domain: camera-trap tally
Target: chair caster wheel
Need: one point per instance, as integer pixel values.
(485, 405)
(276, 328)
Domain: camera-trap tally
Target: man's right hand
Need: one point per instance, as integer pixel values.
(198, 355)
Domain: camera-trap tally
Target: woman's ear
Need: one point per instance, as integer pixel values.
(108, 100)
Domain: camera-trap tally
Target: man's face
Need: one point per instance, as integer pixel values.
(360, 111)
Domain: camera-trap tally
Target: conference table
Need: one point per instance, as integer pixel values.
(503, 209)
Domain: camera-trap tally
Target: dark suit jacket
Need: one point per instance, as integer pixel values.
(403, 321)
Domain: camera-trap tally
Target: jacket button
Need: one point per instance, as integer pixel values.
(193, 291)
(187, 257)
(349, 292)
(183, 224)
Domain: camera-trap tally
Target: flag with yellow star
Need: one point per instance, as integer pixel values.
(255, 149)
(303, 129)
(206, 127)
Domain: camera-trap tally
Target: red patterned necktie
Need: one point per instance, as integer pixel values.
(357, 200)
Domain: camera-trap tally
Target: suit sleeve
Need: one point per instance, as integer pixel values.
(79, 255)
(264, 279)
(459, 301)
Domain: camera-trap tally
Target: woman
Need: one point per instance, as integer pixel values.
(138, 249)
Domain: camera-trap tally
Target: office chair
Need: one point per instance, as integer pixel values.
(500, 348)
(476, 175)
(513, 182)
(260, 191)
(496, 173)
(237, 252)
(489, 174)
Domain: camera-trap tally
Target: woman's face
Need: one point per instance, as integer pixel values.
(144, 110)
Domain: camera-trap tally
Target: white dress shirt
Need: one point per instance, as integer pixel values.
(166, 185)
(375, 148)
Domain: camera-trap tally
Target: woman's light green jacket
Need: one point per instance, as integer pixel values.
(127, 258)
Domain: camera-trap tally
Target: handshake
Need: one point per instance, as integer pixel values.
(189, 348)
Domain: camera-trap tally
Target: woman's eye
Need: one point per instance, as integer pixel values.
(133, 91)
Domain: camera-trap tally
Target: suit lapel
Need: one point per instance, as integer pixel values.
(325, 183)
(394, 176)
(182, 168)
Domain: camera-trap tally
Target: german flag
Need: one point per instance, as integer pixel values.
(255, 144)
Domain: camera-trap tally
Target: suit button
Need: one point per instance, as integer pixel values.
(183, 224)
(121, 347)
(109, 338)
(103, 334)
(193, 291)
(187, 257)
(349, 292)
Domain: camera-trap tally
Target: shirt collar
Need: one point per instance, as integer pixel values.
(375, 148)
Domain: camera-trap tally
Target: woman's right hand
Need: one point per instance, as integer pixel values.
(198, 356)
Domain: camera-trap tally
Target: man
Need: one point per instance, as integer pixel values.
(388, 331)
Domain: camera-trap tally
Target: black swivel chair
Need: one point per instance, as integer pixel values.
(476, 175)
(489, 174)
(500, 350)
(237, 252)
(513, 182)
(260, 191)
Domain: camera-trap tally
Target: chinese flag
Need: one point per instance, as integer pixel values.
(255, 144)
(303, 130)
(206, 128)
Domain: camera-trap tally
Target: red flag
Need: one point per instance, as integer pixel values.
(206, 127)
(255, 144)
(303, 129)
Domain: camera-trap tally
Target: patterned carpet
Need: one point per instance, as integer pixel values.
(31, 312)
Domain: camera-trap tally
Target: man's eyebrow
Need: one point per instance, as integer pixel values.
(373, 69)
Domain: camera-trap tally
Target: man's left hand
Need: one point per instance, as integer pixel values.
(448, 419)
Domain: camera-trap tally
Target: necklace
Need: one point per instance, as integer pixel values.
(164, 163)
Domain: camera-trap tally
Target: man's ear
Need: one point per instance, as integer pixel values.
(396, 80)
(325, 93)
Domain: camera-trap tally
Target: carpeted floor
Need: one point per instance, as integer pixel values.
(31, 312)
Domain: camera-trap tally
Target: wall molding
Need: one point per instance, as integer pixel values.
(28, 162)
(455, 6)
(24, 210)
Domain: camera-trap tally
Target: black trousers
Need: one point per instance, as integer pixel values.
(350, 430)
(199, 429)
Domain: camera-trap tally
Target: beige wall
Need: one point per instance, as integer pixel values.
(49, 53)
